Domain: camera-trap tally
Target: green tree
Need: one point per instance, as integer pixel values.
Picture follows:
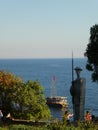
(7, 84)
(92, 53)
(22, 100)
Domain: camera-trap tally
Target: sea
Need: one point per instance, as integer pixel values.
(43, 70)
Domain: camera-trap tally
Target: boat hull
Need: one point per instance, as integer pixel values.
(57, 105)
(58, 102)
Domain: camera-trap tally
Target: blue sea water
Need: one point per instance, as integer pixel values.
(44, 69)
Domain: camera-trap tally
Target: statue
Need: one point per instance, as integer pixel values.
(77, 91)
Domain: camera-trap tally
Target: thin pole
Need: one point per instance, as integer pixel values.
(72, 68)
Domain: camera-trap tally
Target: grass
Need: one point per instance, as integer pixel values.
(52, 126)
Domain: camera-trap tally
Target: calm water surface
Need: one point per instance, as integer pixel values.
(44, 69)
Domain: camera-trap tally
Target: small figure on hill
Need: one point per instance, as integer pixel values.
(67, 116)
(1, 114)
(88, 116)
(8, 116)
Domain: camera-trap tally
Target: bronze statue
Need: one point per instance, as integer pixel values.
(77, 91)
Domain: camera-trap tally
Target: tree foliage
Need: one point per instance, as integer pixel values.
(92, 53)
(22, 100)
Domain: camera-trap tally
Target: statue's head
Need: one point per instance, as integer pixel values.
(78, 71)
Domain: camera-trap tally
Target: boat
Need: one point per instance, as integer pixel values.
(56, 101)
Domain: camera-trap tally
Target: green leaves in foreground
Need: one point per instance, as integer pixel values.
(22, 100)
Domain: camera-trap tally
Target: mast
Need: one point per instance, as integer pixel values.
(53, 88)
(72, 68)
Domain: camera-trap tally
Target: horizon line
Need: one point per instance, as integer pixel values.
(43, 58)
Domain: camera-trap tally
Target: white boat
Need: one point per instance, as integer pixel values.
(57, 101)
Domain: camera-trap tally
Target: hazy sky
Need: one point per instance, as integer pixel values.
(45, 28)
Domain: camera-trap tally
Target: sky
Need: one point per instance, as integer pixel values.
(46, 28)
